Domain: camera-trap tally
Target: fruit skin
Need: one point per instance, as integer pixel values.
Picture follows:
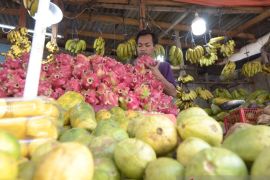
(8, 166)
(193, 111)
(138, 153)
(164, 169)
(9, 144)
(189, 148)
(26, 170)
(261, 166)
(203, 127)
(68, 161)
(216, 163)
(79, 135)
(249, 142)
(102, 146)
(105, 169)
(159, 132)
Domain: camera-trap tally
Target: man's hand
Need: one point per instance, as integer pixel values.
(155, 70)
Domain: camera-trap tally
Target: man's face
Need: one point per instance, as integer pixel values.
(145, 45)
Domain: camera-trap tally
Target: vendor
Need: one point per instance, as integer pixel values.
(146, 41)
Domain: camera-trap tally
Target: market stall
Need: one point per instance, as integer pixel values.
(79, 101)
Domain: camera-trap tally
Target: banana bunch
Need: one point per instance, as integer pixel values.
(193, 55)
(187, 95)
(185, 78)
(221, 92)
(20, 42)
(125, 51)
(176, 56)
(49, 58)
(208, 60)
(52, 47)
(31, 6)
(228, 70)
(159, 51)
(214, 44)
(204, 93)
(227, 49)
(75, 45)
(266, 68)
(99, 46)
(250, 69)
(184, 104)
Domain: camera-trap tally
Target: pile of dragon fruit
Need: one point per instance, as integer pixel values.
(103, 81)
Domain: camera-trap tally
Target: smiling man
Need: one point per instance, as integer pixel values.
(146, 41)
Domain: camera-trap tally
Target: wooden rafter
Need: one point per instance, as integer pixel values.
(252, 22)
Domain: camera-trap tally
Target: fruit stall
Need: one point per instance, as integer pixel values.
(77, 101)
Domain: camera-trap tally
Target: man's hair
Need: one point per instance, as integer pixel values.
(146, 32)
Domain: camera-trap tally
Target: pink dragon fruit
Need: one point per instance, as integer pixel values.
(90, 80)
(91, 96)
(57, 80)
(79, 70)
(45, 88)
(73, 85)
(110, 79)
(142, 91)
(63, 59)
(130, 102)
(121, 89)
(102, 88)
(81, 59)
(109, 98)
(12, 64)
(146, 60)
(57, 93)
(3, 92)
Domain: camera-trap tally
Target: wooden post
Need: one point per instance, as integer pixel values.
(142, 15)
(22, 16)
(55, 26)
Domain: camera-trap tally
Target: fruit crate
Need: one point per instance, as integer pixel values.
(244, 115)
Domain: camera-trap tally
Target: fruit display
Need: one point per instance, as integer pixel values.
(227, 49)
(102, 81)
(250, 69)
(99, 46)
(204, 93)
(74, 45)
(159, 51)
(185, 78)
(125, 51)
(193, 55)
(20, 43)
(228, 70)
(175, 56)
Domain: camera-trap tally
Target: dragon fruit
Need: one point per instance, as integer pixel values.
(90, 80)
(146, 60)
(91, 96)
(103, 81)
(130, 102)
(73, 85)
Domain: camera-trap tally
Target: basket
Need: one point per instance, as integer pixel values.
(244, 115)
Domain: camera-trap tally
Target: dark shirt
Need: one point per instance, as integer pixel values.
(166, 71)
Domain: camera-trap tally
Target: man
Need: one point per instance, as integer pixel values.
(146, 42)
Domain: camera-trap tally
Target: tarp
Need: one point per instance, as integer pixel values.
(227, 3)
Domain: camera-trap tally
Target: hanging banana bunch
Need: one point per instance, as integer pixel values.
(20, 42)
(99, 46)
(31, 6)
(176, 56)
(208, 59)
(204, 93)
(185, 78)
(250, 69)
(159, 51)
(194, 54)
(227, 49)
(75, 45)
(214, 44)
(228, 70)
(266, 68)
(185, 98)
(52, 47)
(125, 51)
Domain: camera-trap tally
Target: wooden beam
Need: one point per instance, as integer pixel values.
(158, 8)
(252, 22)
(96, 1)
(142, 15)
(9, 11)
(22, 16)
